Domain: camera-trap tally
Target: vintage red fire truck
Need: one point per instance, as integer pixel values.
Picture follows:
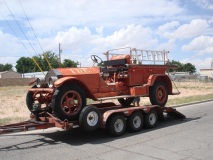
(122, 76)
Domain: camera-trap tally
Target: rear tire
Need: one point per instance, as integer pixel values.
(116, 125)
(126, 101)
(159, 94)
(68, 101)
(90, 118)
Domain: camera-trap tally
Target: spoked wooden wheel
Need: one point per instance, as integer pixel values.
(68, 102)
(38, 100)
(71, 102)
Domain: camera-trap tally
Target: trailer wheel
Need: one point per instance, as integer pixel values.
(159, 94)
(90, 118)
(151, 119)
(68, 101)
(135, 122)
(125, 101)
(116, 125)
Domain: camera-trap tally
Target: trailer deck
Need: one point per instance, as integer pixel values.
(46, 120)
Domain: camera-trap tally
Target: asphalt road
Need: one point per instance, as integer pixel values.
(172, 139)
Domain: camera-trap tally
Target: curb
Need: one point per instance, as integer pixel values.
(196, 102)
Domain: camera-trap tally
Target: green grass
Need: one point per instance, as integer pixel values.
(178, 101)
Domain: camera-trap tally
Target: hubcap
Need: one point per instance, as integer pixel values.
(71, 102)
(152, 119)
(137, 122)
(92, 118)
(119, 125)
(161, 94)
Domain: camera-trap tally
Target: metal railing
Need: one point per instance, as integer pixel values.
(139, 56)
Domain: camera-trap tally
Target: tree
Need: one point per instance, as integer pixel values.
(69, 63)
(177, 63)
(6, 67)
(44, 64)
(188, 67)
(25, 64)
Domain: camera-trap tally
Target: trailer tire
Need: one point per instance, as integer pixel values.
(126, 101)
(151, 119)
(68, 101)
(159, 94)
(135, 122)
(116, 125)
(90, 118)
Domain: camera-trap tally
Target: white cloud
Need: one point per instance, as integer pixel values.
(204, 3)
(195, 28)
(51, 16)
(201, 45)
(10, 45)
(167, 27)
(131, 36)
(80, 43)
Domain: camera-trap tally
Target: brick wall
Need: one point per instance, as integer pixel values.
(15, 81)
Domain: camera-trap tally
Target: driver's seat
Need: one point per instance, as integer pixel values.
(118, 60)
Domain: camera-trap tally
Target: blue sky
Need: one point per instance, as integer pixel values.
(85, 27)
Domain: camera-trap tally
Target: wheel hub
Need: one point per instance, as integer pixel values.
(137, 122)
(92, 118)
(71, 102)
(118, 125)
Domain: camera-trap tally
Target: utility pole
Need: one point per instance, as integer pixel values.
(59, 52)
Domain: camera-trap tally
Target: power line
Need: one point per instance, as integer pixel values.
(24, 35)
(14, 32)
(35, 35)
(20, 27)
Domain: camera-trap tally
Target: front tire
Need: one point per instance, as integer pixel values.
(68, 101)
(29, 100)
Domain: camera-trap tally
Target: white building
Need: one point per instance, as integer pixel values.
(206, 73)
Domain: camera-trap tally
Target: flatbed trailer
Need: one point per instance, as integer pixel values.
(114, 118)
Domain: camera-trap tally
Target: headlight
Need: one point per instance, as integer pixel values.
(51, 81)
(39, 82)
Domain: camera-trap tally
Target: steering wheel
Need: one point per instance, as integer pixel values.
(96, 59)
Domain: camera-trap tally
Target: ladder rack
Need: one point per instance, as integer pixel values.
(139, 56)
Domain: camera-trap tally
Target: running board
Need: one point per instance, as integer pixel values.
(123, 96)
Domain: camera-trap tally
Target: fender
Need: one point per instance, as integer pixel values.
(63, 80)
(160, 77)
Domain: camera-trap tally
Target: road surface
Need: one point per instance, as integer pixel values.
(190, 139)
